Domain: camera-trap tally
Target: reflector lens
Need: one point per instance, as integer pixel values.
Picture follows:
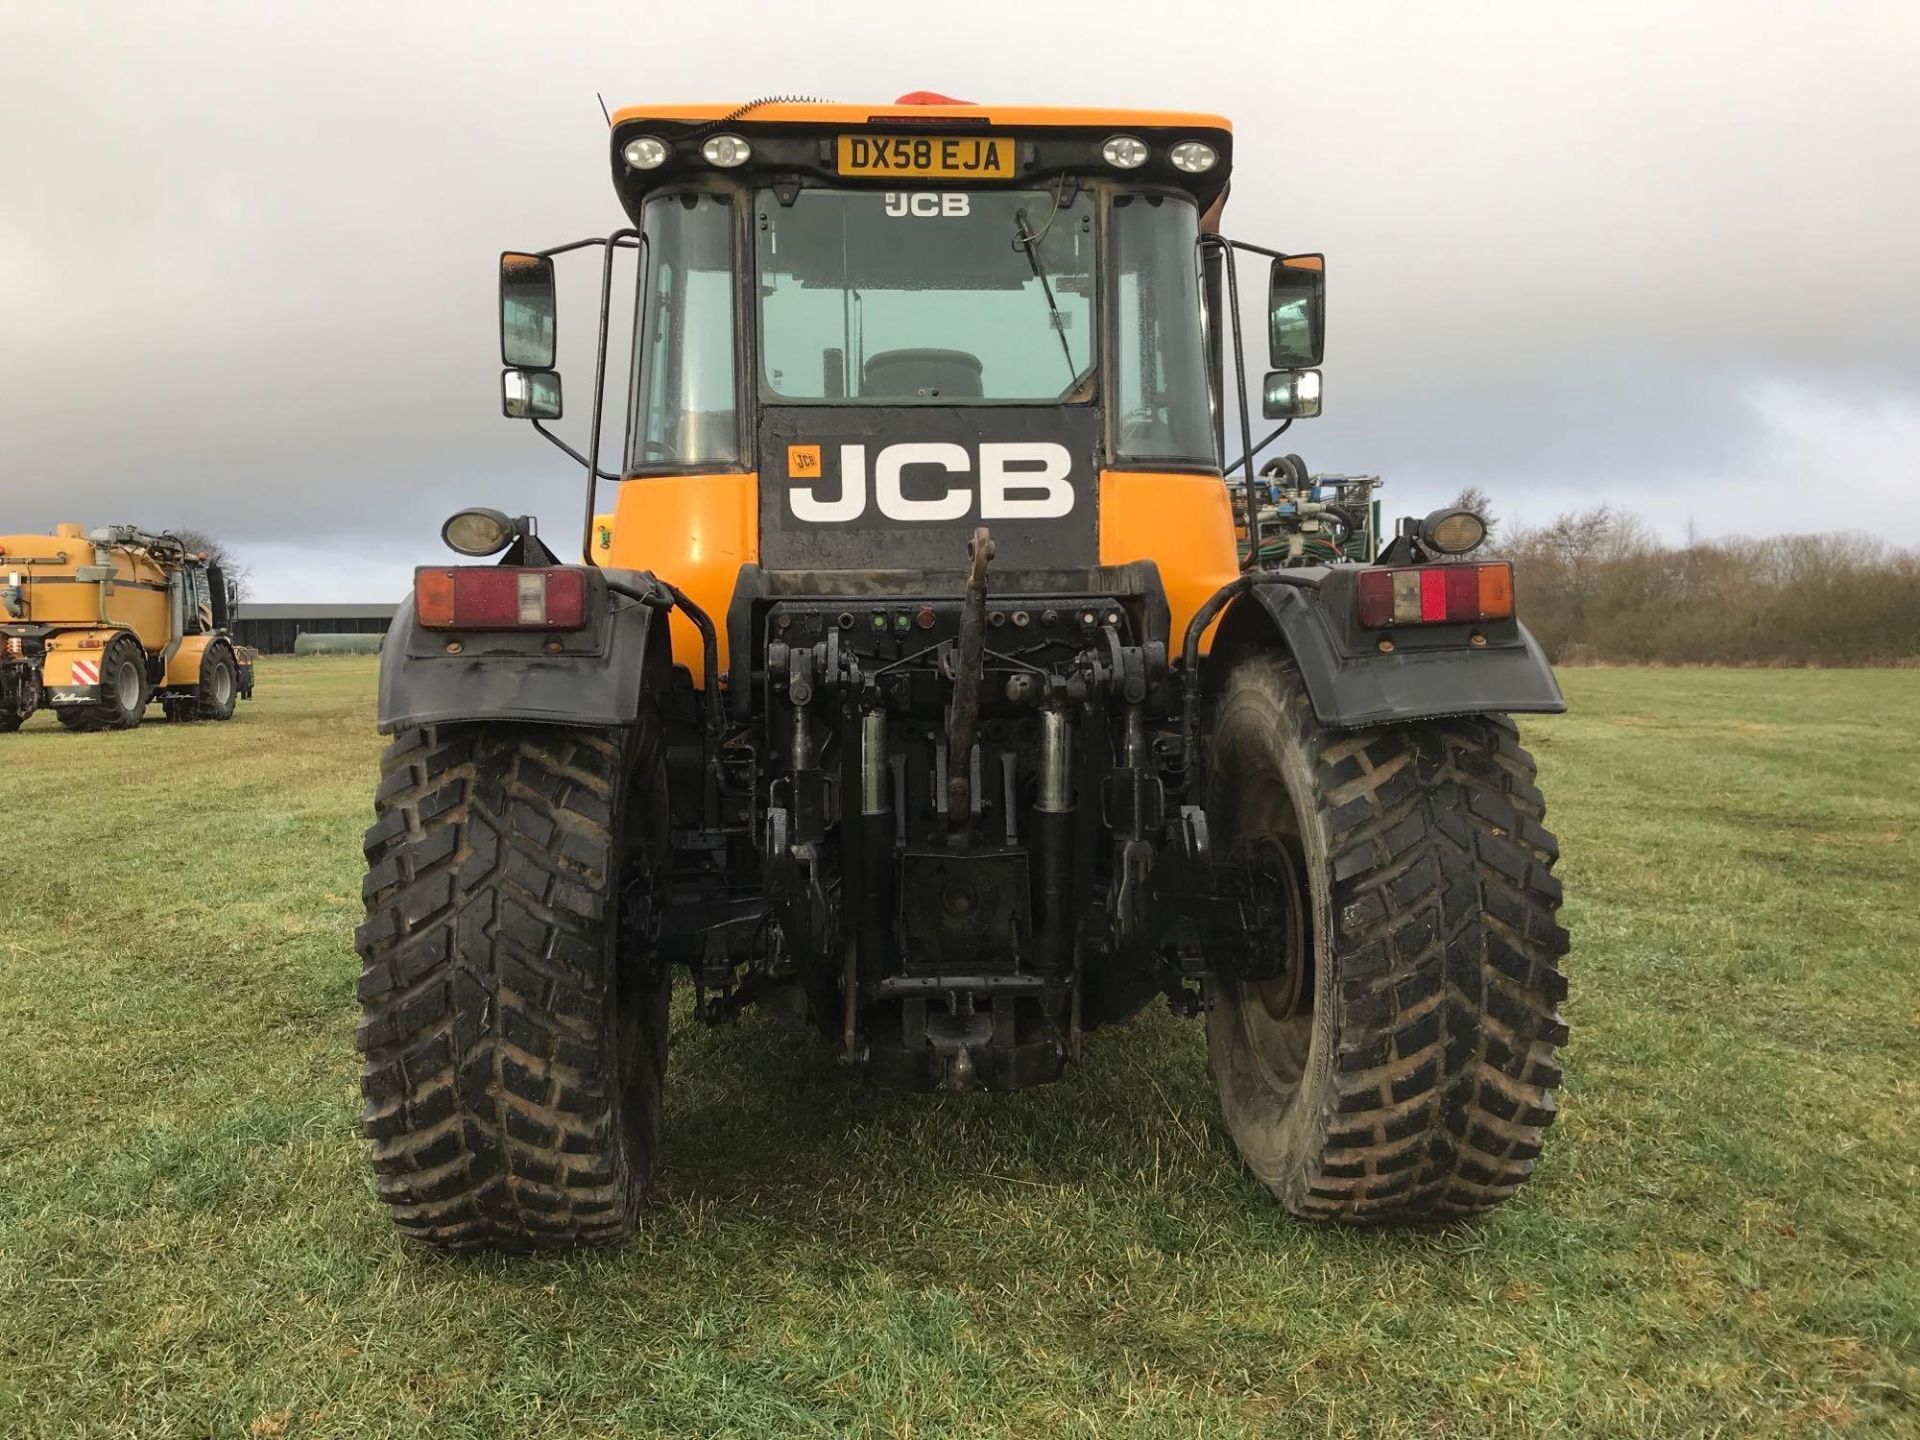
(1406, 597)
(1373, 598)
(486, 599)
(1496, 592)
(500, 597)
(1463, 589)
(433, 598)
(1433, 595)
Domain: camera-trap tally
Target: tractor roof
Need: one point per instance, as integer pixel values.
(795, 137)
(920, 108)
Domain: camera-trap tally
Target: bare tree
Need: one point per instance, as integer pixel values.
(198, 542)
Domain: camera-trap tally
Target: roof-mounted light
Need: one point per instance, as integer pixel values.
(646, 152)
(1196, 157)
(1124, 152)
(726, 151)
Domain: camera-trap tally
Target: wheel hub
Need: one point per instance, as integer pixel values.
(1275, 966)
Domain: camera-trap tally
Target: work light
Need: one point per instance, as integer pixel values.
(1196, 157)
(1452, 532)
(646, 153)
(1124, 152)
(726, 151)
(477, 532)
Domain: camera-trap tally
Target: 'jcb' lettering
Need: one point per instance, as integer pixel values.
(927, 204)
(852, 503)
(999, 482)
(1019, 480)
(886, 482)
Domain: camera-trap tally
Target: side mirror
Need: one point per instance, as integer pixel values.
(530, 394)
(1291, 395)
(1297, 311)
(527, 310)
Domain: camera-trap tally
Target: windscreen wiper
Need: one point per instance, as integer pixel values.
(1030, 242)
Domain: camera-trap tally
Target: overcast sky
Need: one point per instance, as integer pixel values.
(1666, 255)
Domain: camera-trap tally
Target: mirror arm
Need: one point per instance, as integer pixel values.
(1285, 425)
(1253, 249)
(1227, 247)
(619, 239)
(571, 453)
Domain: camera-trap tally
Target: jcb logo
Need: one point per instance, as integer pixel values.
(1018, 480)
(928, 204)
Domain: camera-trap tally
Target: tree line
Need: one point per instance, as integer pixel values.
(1598, 587)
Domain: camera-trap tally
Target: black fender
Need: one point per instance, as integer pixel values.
(1427, 671)
(590, 677)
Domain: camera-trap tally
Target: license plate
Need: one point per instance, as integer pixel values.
(927, 157)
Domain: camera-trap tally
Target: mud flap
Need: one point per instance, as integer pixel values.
(591, 677)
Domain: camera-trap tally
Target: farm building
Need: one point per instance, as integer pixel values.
(272, 629)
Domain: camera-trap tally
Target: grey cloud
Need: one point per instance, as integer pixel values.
(1642, 252)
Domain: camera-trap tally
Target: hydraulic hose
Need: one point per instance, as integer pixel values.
(1190, 648)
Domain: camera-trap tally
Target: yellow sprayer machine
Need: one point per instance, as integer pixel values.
(96, 625)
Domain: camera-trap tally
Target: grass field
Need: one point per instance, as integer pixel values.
(1723, 1238)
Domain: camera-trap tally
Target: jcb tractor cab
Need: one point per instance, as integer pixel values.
(911, 678)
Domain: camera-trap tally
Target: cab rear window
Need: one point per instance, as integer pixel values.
(936, 297)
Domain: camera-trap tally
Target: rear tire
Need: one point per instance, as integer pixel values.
(124, 691)
(1412, 1079)
(514, 1024)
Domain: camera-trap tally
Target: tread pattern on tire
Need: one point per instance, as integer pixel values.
(1445, 946)
(487, 991)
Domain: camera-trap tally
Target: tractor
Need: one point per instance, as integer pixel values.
(97, 625)
(928, 672)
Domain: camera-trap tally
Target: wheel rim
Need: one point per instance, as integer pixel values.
(222, 685)
(126, 687)
(1277, 1015)
(1277, 870)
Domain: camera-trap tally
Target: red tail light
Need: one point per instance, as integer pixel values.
(1434, 595)
(500, 597)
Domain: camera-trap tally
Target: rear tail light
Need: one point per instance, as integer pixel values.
(1434, 595)
(500, 597)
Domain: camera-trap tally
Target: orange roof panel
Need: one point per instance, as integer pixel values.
(799, 112)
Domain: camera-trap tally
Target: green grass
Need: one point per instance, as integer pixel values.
(1722, 1238)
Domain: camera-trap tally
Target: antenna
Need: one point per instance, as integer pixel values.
(603, 108)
